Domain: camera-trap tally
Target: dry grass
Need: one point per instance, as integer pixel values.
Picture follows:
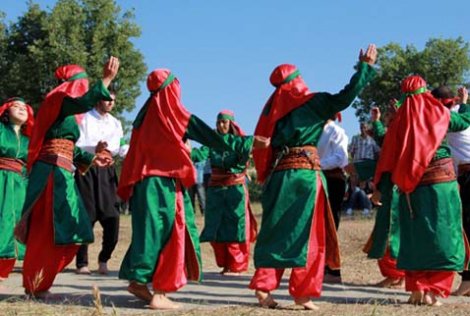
(356, 270)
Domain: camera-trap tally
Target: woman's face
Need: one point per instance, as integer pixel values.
(223, 126)
(17, 113)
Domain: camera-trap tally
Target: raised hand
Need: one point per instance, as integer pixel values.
(370, 56)
(462, 95)
(261, 142)
(375, 114)
(188, 145)
(110, 70)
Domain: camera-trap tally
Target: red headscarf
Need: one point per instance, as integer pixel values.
(27, 127)
(157, 147)
(291, 92)
(413, 136)
(229, 115)
(74, 84)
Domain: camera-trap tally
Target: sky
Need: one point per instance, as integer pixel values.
(224, 51)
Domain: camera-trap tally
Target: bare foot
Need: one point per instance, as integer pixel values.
(265, 299)
(83, 270)
(140, 290)
(160, 301)
(230, 273)
(306, 303)
(398, 284)
(390, 283)
(431, 300)
(103, 268)
(463, 290)
(416, 298)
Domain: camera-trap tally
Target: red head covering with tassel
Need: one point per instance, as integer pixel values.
(74, 84)
(291, 92)
(27, 127)
(157, 147)
(413, 136)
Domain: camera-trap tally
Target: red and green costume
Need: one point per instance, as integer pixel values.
(229, 223)
(164, 249)
(13, 182)
(432, 243)
(384, 241)
(297, 229)
(55, 221)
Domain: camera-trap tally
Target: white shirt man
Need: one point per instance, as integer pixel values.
(333, 147)
(459, 144)
(96, 127)
(99, 131)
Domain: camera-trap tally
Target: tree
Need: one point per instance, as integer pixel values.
(441, 62)
(84, 32)
(3, 39)
(23, 73)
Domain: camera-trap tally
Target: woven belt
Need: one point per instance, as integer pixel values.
(304, 157)
(220, 177)
(464, 168)
(58, 152)
(11, 164)
(438, 171)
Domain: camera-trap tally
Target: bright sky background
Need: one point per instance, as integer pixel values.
(224, 51)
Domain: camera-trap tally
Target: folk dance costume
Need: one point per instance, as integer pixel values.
(298, 229)
(157, 170)
(416, 158)
(459, 144)
(13, 183)
(55, 222)
(384, 242)
(98, 185)
(229, 223)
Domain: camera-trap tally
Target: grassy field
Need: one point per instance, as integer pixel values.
(356, 269)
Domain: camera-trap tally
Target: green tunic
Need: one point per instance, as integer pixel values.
(224, 216)
(288, 197)
(386, 230)
(153, 205)
(13, 188)
(71, 222)
(431, 236)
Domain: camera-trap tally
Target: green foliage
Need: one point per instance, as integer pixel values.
(442, 61)
(84, 32)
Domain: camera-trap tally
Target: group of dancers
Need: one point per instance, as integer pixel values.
(414, 182)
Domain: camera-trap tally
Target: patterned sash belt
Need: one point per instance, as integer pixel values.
(464, 168)
(58, 152)
(438, 171)
(304, 157)
(220, 177)
(11, 164)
